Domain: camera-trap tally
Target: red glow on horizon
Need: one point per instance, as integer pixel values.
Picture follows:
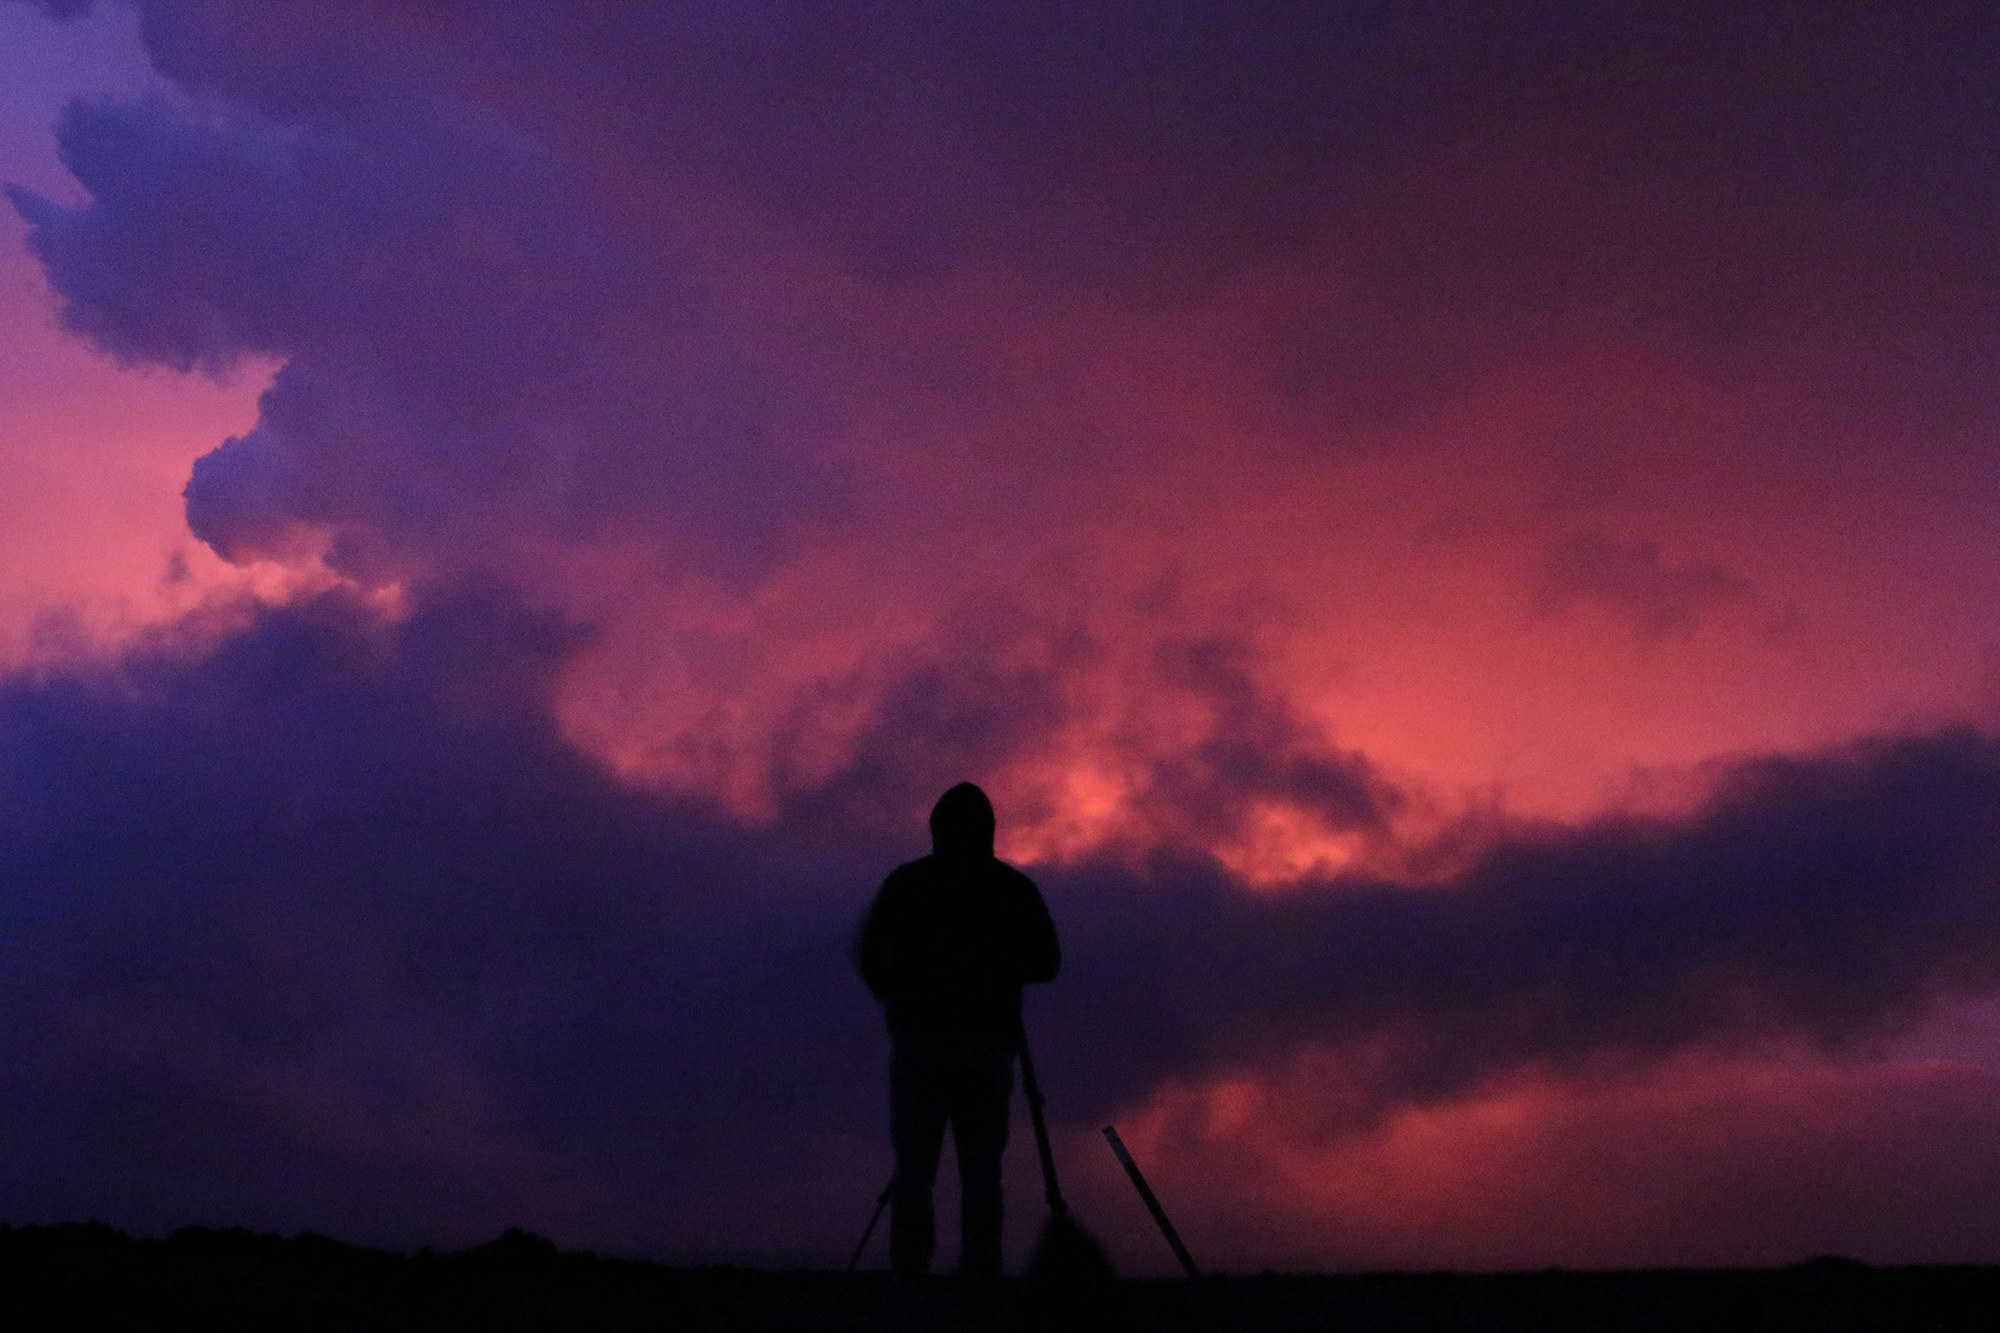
(1710, 1159)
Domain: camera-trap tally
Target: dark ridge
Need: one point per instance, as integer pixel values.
(92, 1275)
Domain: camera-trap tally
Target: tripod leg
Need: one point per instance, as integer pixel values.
(1147, 1197)
(1050, 1189)
(881, 1202)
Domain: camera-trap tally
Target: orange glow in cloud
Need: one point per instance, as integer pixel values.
(1058, 456)
(1284, 846)
(1397, 590)
(1385, 525)
(1391, 586)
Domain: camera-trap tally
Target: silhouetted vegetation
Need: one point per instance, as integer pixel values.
(89, 1274)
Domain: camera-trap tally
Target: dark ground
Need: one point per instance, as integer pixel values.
(90, 1275)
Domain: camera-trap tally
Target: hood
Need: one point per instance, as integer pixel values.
(962, 822)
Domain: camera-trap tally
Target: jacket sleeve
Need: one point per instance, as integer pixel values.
(875, 945)
(1040, 955)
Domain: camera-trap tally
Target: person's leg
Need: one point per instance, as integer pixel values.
(917, 1111)
(979, 1133)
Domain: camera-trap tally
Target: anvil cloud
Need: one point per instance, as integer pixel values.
(1458, 540)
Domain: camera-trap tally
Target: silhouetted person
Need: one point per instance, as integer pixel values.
(946, 947)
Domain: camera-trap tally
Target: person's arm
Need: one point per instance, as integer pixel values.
(875, 951)
(1040, 955)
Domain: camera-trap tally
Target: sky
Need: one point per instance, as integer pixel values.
(1459, 538)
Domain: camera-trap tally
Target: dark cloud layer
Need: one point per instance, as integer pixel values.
(1192, 125)
(332, 862)
(1836, 897)
(319, 922)
(486, 240)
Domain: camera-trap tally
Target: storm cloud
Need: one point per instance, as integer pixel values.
(315, 916)
(697, 434)
(470, 359)
(516, 282)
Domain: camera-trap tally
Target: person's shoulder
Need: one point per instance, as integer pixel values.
(911, 874)
(1014, 876)
(902, 889)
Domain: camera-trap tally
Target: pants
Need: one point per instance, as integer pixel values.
(965, 1080)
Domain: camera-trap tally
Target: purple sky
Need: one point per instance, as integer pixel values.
(1460, 541)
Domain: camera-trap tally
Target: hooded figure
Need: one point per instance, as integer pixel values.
(946, 948)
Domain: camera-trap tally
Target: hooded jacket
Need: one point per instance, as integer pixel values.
(951, 938)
